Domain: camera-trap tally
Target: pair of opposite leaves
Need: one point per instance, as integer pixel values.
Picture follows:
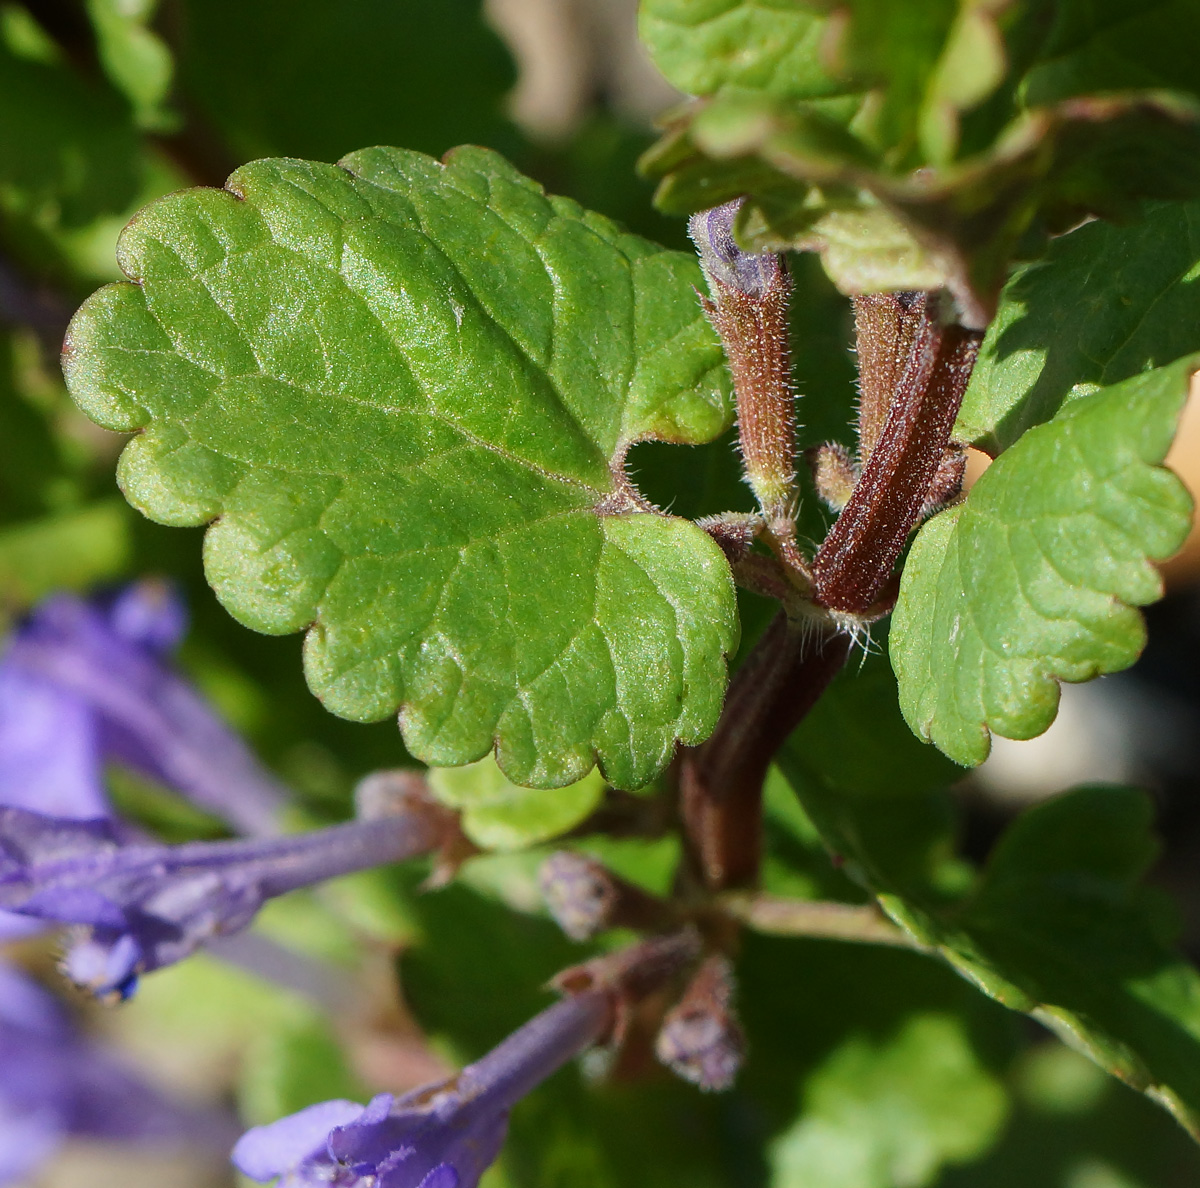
(405, 390)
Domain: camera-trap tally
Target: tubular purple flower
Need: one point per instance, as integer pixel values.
(56, 1084)
(82, 683)
(142, 905)
(443, 1135)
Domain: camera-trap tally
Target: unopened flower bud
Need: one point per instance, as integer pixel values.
(585, 898)
(754, 273)
(579, 893)
(701, 1040)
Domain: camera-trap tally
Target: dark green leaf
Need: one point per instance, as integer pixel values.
(1113, 45)
(295, 78)
(70, 151)
(876, 795)
(407, 389)
(1059, 918)
(1106, 303)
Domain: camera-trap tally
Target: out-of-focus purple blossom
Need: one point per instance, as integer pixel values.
(86, 682)
(56, 1084)
(440, 1136)
(753, 273)
(141, 905)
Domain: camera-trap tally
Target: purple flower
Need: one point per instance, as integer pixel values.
(56, 1084)
(754, 273)
(141, 905)
(84, 683)
(440, 1136)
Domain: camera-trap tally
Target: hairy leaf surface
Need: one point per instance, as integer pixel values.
(1035, 577)
(405, 389)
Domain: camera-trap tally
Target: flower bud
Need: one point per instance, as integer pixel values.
(585, 898)
(701, 1040)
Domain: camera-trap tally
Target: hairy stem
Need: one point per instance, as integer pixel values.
(855, 563)
(720, 782)
(749, 310)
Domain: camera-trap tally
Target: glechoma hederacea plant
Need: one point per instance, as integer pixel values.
(411, 398)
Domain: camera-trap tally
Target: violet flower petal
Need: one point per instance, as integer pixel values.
(145, 905)
(269, 1151)
(439, 1136)
(143, 712)
(27, 1140)
(57, 1083)
(49, 749)
(755, 273)
(150, 614)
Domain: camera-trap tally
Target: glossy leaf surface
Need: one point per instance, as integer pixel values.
(406, 390)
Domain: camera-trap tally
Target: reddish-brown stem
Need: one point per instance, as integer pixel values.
(885, 325)
(753, 329)
(854, 564)
(720, 782)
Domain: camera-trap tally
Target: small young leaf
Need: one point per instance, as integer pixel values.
(1105, 303)
(407, 388)
(134, 57)
(70, 151)
(1034, 578)
(963, 219)
(893, 1111)
(499, 815)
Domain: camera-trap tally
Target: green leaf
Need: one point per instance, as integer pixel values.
(407, 389)
(70, 150)
(1060, 929)
(1111, 45)
(704, 45)
(1033, 579)
(1060, 334)
(927, 60)
(291, 78)
(962, 220)
(499, 815)
(135, 58)
(878, 1114)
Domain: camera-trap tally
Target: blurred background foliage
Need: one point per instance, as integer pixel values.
(868, 1068)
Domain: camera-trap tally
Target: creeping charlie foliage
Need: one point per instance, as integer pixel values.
(402, 393)
(405, 390)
